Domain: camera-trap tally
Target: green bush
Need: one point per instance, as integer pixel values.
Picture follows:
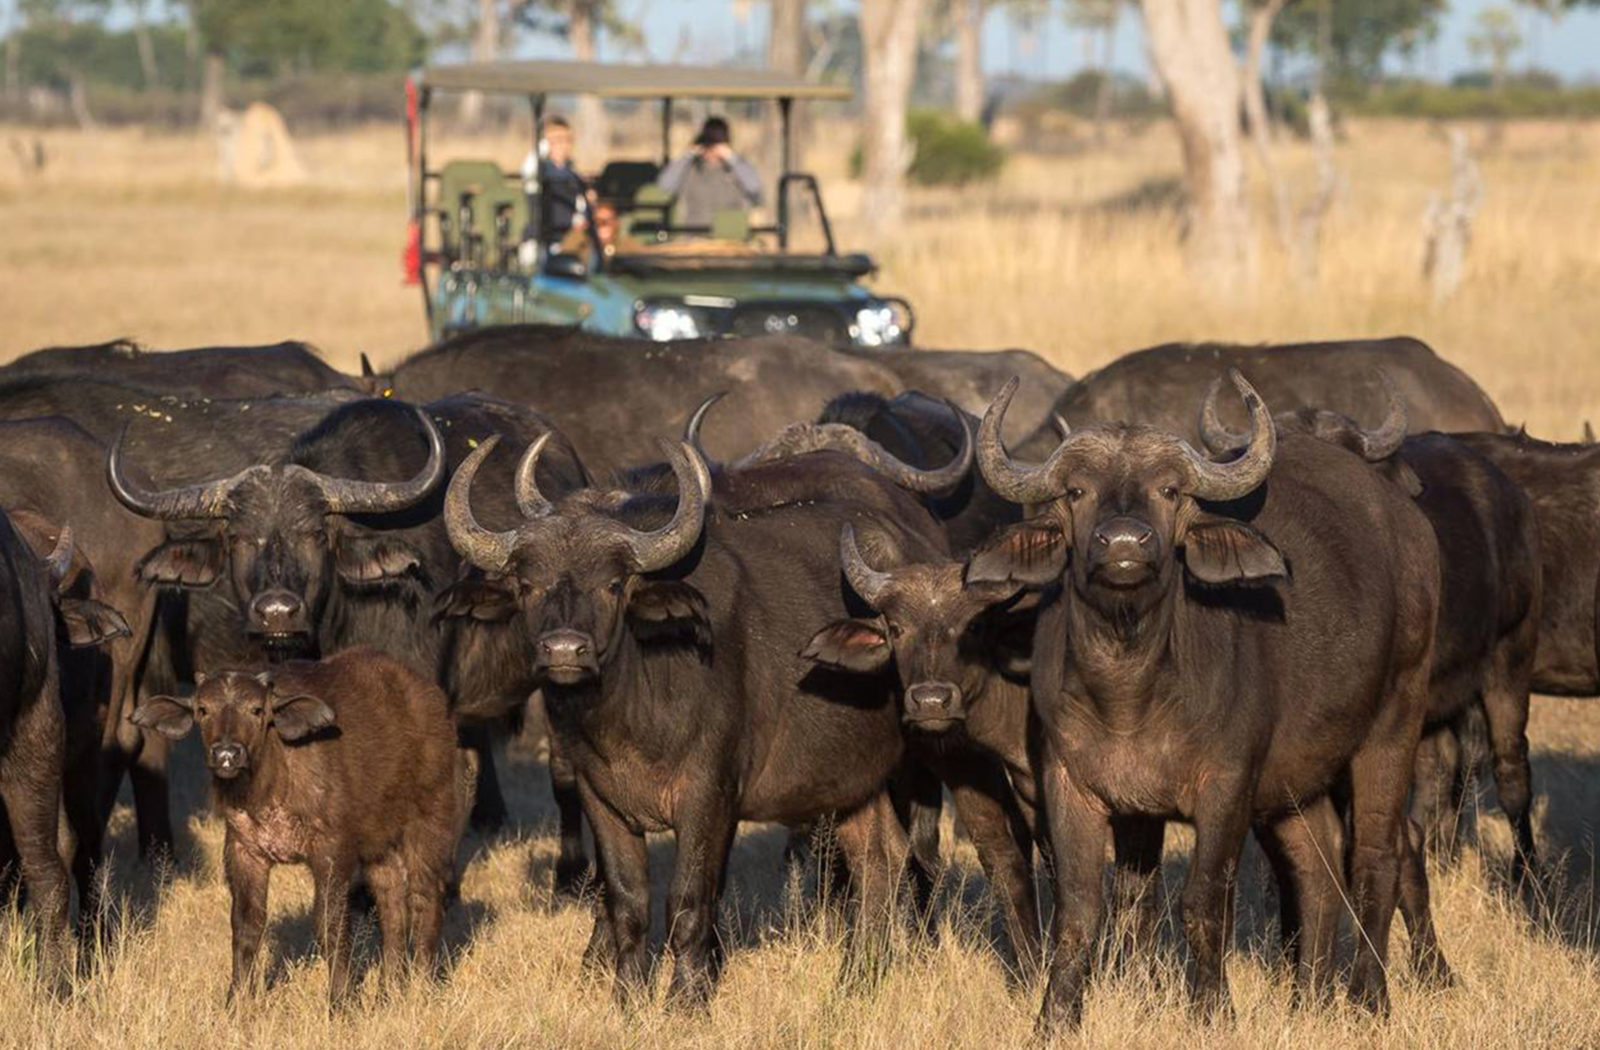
(950, 152)
(1472, 97)
(945, 151)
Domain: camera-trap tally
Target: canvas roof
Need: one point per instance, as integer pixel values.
(619, 80)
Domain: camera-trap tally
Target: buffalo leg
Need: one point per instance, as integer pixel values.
(1221, 821)
(489, 813)
(625, 862)
(572, 867)
(82, 805)
(152, 801)
(387, 881)
(705, 830)
(1505, 707)
(1307, 859)
(918, 798)
(875, 847)
(988, 809)
(1437, 791)
(1427, 958)
(1380, 775)
(1078, 830)
(332, 877)
(30, 786)
(247, 873)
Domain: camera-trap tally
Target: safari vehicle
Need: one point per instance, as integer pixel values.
(478, 250)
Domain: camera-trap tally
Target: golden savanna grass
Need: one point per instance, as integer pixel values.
(1073, 256)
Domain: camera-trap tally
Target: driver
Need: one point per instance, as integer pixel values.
(710, 177)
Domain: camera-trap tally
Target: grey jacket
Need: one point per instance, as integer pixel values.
(702, 188)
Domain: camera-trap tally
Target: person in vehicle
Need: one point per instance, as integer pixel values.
(564, 205)
(710, 178)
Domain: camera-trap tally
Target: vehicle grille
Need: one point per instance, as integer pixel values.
(825, 324)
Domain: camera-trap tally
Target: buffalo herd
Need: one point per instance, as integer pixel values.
(1286, 592)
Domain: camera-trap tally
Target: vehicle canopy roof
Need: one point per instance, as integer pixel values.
(619, 80)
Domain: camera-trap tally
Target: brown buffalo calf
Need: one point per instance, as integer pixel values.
(345, 764)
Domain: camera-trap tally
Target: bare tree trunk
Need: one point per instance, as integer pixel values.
(1255, 98)
(1190, 45)
(13, 78)
(786, 53)
(79, 101)
(147, 50)
(1261, 137)
(1448, 221)
(889, 59)
(590, 140)
(969, 58)
(212, 69)
(1102, 95)
(485, 48)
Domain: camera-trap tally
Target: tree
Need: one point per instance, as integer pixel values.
(1189, 43)
(1358, 33)
(967, 18)
(1097, 18)
(1496, 39)
(889, 52)
(786, 53)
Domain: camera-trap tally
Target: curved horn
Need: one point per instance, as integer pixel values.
(209, 500)
(1214, 433)
(485, 549)
(1385, 440)
(799, 438)
(1015, 481)
(530, 501)
(345, 496)
(1226, 481)
(864, 579)
(59, 561)
(691, 429)
(1063, 428)
(658, 549)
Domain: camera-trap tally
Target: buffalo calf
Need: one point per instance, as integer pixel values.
(341, 764)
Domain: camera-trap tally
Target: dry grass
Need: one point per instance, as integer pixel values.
(128, 235)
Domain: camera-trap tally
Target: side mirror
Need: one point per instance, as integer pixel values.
(564, 265)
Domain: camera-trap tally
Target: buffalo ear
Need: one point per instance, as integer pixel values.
(476, 598)
(668, 609)
(167, 715)
(297, 717)
(1029, 554)
(182, 563)
(1222, 550)
(86, 622)
(369, 560)
(1403, 476)
(850, 645)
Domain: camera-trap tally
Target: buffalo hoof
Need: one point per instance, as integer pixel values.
(489, 817)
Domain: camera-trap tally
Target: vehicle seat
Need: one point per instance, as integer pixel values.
(730, 224)
(471, 180)
(621, 180)
(650, 216)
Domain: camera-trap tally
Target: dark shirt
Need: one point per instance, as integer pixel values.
(563, 188)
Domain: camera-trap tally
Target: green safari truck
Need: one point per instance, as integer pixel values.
(478, 248)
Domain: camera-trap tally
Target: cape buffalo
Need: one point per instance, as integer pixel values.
(214, 371)
(1157, 386)
(1229, 642)
(1488, 627)
(346, 763)
(667, 651)
(966, 378)
(954, 652)
(596, 387)
(1563, 481)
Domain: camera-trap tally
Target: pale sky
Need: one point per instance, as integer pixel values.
(708, 31)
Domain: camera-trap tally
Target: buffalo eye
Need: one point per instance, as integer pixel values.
(615, 587)
(1169, 492)
(255, 712)
(1074, 494)
(202, 711)
(895, 630)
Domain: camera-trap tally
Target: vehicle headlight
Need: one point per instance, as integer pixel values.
(882, 322)
(666, 321)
